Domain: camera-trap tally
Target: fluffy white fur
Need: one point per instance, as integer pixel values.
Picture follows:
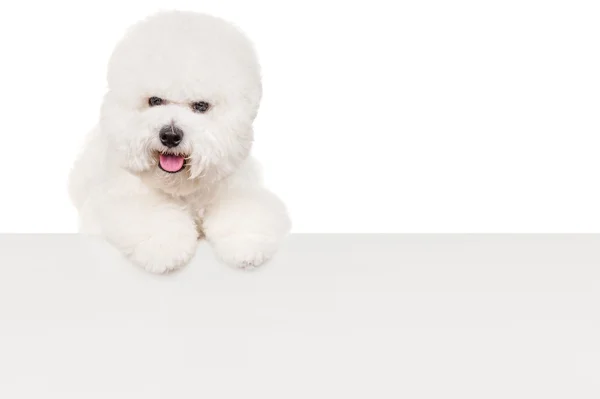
(154, 217)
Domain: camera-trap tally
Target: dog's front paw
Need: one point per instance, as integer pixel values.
(246, 251)
(169, 248)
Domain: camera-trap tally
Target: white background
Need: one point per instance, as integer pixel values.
(378, 116)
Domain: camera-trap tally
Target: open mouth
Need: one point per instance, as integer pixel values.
(171, 163)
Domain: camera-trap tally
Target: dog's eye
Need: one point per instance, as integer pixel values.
(154, 101)
(200, 106)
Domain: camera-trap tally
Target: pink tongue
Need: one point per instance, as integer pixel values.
(171, 163)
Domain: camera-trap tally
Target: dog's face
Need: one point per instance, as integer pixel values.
(184, 90)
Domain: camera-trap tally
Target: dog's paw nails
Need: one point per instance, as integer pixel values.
(161, 253)
(245, 251)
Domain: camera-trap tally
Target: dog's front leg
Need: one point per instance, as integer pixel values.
(153, 232)
(246, 226)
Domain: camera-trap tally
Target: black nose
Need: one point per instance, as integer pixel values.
(170, 135)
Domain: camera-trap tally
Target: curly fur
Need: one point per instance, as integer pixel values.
(155, 217)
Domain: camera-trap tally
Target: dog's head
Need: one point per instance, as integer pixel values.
(184, 89)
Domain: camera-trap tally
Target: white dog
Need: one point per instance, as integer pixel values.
(169, 159)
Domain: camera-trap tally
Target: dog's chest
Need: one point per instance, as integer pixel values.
(197, 209)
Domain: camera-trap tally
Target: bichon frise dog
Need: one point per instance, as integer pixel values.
(168, 162)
